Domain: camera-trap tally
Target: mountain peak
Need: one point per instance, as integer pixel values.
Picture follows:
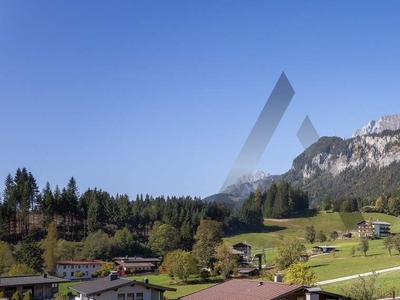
(390, 122)
(246, 183)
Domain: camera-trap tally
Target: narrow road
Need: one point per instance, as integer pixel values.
(356, 276)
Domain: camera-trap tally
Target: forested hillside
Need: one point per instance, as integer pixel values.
(77, 215)
(356, 169)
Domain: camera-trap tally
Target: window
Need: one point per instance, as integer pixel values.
(72, 266)
(121, 296)
(130, 296)
(64, 274)
(139, 296)
(94, 266)
(72, 274)
(86, 273)
(64, 267)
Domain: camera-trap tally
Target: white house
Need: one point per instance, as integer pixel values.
(67, 268)
(381, 229)
(373, 228)
(116, 288)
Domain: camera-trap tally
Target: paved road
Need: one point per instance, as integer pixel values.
(356, 276)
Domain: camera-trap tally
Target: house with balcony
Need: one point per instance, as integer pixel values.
(373, 228)
(136, 265)
(243, 250)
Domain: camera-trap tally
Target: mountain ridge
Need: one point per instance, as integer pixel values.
(364, 165)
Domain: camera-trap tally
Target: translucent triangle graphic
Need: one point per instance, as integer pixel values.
(307, 133)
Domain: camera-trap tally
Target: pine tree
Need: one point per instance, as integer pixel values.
(269, 201)
(30, 254)
(16, 296)
(48, 205)
(72, 196)
(28, 296)
(10, 206)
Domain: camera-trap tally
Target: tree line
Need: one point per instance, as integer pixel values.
(388, 204)
(23, 207)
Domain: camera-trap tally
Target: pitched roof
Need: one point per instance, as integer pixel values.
(137, 258)
(374, 222)
(242, 244)
(105, 284)
(134, 264)
(246, 270)
(381, 223)
(29, 279)
(240, 289)
(325, 247)
(80, 262)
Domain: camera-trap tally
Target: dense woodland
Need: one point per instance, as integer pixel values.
(24, 207)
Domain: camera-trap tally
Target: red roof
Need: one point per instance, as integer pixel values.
(240, 289)
(80, 262)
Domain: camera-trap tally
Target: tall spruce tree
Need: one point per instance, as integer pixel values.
(30, 253)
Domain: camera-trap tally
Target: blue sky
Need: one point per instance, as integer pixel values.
(158, 97)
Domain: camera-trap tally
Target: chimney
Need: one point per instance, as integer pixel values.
(310, 296)
(146, 280)
(278, 277)
(45, 275)
(113, 275)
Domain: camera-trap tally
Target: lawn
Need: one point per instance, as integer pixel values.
(387, 282)
(161, 279)
(276, 230)
(342, 263)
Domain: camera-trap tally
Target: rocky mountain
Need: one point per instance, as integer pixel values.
(366, 165)
(363, 166)
(391, 122)
(247, 183)
(242, 188)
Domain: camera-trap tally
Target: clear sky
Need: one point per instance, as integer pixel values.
(159, 97)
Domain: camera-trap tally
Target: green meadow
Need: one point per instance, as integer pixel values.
(327, 266)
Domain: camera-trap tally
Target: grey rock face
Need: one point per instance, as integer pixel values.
(246, 184)
(391, 122)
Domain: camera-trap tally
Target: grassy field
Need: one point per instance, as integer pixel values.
(328, 266)
(387, 282)
(161, 279)
(276, 230)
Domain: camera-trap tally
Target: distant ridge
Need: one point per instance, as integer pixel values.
(366, 166)
(390, 122)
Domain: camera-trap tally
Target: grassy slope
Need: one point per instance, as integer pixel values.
(325, 266)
